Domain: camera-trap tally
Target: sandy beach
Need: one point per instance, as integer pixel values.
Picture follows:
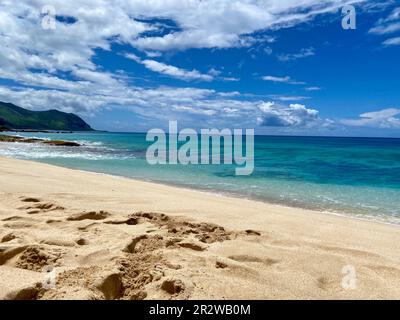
(114, 238)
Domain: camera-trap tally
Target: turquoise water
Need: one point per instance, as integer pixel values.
(356, 176)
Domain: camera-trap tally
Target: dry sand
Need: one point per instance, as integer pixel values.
(116, 238)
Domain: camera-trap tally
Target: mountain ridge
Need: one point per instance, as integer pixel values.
(18, 118)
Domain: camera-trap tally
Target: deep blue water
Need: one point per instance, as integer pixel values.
(356, 176)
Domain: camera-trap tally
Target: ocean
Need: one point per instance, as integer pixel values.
(351, 176)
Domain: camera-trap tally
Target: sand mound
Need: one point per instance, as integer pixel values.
(204, 232)
(35, 259)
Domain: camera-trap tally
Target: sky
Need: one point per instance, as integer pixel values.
(282, 67)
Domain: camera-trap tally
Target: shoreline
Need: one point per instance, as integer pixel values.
(328, 191)
(98, 228)
(368, 218)
(227, 194)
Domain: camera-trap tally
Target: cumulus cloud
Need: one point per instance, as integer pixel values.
(223, 23)
(294, 115)
(378, 119)
(59, 68)
(201, 24)
(88, 97)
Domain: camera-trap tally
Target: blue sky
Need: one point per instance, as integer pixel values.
(281, 67)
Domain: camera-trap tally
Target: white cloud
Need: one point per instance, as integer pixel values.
(386, 29)
(153, 54)
(224, 23)
(57, 69)
(229, 94)
(175, 72)
(206, 112)
(312, 88)
(169, 70)
(276, 79)
(268, 50)
(294, 115)
(288, 98)
(179, 73)
(388, 25)
(230, 79)
(217, 74)
(378, 119)
(285, 79)
(88, 99)
(199, 107)
(214, 72)
(303, 53)
(200, 24)
(392, 42)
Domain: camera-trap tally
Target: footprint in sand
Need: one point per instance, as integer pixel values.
(8, 237)
(252, 233)
(129, 221)
(220, 265)
(92, 215)
(385, 269)
(19, 222)
(348, 251)
(204, 232)
(9, 252)
(14, 218)
(39, 207)
(82, 242)
(173, 286)
(33, 212)
(193, 246)
(327, 284)
(111, 286)
(28, 199)
(51, 221)
(19, 225)
(145, 243)
(35, 258)
(159, 218)
(247, 258)
(130, 248)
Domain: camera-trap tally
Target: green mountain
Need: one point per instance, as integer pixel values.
(14, 117)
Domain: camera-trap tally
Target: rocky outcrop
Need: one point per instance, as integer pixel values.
(6, 138)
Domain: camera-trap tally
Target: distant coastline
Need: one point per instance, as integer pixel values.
(15, 118)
